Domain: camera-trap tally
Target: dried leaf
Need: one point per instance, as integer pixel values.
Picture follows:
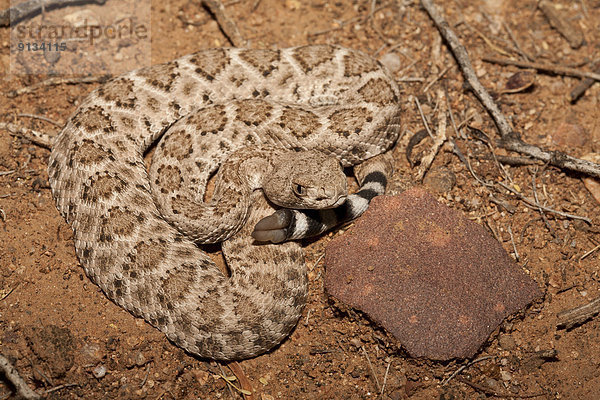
(519, 82)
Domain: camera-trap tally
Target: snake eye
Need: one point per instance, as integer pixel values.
(299, 190)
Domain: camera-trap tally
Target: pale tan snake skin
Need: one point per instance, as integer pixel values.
(338, 101)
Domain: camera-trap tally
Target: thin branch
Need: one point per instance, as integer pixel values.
(438, 140)
(60, 387)
(516, 43)
(512, 240)
(28, 8)
(57, 80)
(371, 368)
(489, 391)
(509, 139)
(227, 25)
(458, 371)
(360, 19)
(583, 86)
(13, 377)
(575, 316)
(423, 118)
(587, 253)
(40, 117)
(39, 138)
(535, 205)
(553, 68)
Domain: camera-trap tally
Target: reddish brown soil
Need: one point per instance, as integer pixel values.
(57, 328)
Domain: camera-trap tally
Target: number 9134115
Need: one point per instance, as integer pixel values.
(43, 46)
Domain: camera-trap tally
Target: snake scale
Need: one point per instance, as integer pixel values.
(225, 110)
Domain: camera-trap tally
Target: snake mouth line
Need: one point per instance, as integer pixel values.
(339, 202)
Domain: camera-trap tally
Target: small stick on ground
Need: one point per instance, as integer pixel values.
(438, 140)
(569, 31)
(227, 383)
(13, 377)
(418, 103)
(512, 240)
(146, 375)
(569, 318)
(57, 81)
(28, 8)
(437, 78)
(245, 384)
(533, 204)
(371, 368)
(360, 19)
(60, 387)
(584, 85)
(552, 68)
(40, 117)
(515, 160)
(387, 370)
(458, 371)
(255, 6)
(587, 253)
(509, 139)
(38, 138)
(491, 392)
(516, 43)
(227, 25)
(537, 202)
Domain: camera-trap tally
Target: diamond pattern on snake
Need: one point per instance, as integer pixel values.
(276, 127)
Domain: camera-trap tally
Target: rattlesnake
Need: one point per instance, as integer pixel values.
(213, 104)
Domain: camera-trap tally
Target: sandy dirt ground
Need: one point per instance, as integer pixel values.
(61, 332)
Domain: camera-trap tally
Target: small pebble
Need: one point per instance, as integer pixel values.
(505, 376)
(391, 62)
(99, 372)
(507, 342)
(440, 180)
(570, 135)
(140, 360)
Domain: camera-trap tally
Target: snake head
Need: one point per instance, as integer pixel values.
(306, 180)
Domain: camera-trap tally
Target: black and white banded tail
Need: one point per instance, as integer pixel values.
(287, 224)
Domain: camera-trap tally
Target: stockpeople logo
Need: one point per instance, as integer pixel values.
(107, 38)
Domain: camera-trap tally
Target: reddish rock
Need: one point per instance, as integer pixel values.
(432, 278)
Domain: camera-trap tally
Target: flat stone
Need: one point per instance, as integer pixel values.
(438, 282)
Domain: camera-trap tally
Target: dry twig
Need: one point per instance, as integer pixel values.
(458, 371)
(39, 138)
(242, 379)
(587, 253)
(60, 387)
(13, 377)
(569, 31)
(552, 68)
(512, 240)
(491, 392)
(535, 205)
(509, 139)
(40, 117)
(360, 19)
(438, 140)
(227, 25)
(371, 368)
(575, 316)
(516, 43)
(57, 81)
(583, 86)
(28, 8)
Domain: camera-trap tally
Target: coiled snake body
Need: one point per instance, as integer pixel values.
(214, 106)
